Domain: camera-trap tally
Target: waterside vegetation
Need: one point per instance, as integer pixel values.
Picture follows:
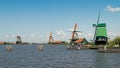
(114, 43)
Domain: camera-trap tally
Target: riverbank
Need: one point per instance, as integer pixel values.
(110, 50)
(99, 49)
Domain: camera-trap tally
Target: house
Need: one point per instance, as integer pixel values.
(1, 42)
(83, 41)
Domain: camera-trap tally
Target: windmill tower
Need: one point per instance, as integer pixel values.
(100, 35)
(19, 41)
(50, 38)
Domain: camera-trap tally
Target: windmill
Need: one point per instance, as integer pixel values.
(19, 41)
(100, 35)
(50, 38)
(74, 35)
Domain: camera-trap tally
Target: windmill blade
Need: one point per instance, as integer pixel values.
(96, 27)
(78, 31)
(50, 33)
(76, 34)
(73, 34)
(98, 18)
(75, 27)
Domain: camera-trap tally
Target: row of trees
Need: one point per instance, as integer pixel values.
(114, 42)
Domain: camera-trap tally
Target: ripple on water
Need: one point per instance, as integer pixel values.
(28, 56)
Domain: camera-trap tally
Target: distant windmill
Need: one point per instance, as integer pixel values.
(50, 38)
(19, 41)
(100, 35)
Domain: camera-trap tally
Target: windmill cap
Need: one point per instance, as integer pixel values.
(101, 25)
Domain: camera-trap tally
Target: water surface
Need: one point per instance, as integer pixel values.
(28, 56)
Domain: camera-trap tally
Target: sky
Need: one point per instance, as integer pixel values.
(33, 20)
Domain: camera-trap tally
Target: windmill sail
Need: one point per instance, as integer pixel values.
(74, 31)
(94, 38)
(50, 38)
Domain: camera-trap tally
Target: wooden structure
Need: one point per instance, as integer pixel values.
(74, 35)
(50, 38)
(52, 41)
(100, 35)
(19, 41)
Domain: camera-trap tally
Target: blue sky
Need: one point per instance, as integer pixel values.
(33, 20)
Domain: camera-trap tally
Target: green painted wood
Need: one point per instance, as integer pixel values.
(101, 30)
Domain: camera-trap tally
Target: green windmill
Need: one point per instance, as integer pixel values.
(100, 35)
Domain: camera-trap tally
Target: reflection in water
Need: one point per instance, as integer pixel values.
(107, 60)
(28, 56)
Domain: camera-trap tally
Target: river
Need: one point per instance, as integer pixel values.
(28, 56)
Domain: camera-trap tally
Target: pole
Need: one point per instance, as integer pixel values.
(105, 47)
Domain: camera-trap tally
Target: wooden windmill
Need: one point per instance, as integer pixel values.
(50, 38)
(19, 41)
(100, 35)
(74, 35)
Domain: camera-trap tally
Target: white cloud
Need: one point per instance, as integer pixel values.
(32, 36)
(111, 9)
(72, 29)
(61, 33)
(23, 36)
(47, 35)
(112, 34)
(7, 36)
(89, 35)
(13, 35)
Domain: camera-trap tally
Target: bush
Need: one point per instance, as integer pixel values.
(117, 40)
(114, 42)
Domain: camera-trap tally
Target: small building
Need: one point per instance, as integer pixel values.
(1, 42)
(57, 42)
(83, 41)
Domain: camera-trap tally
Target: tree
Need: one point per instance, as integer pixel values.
(114, 42)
